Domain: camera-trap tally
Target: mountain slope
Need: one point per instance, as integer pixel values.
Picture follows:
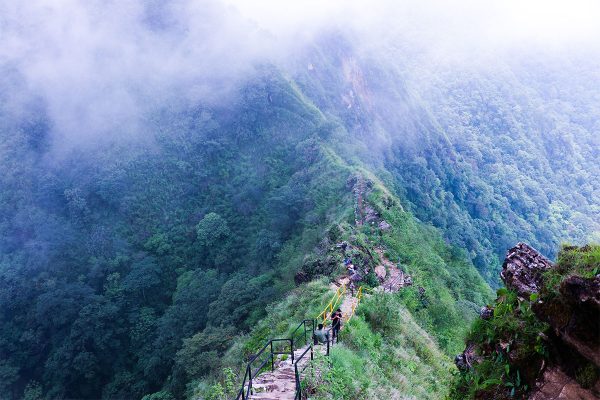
(114, 255)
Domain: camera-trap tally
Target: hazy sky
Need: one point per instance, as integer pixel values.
(545, 21)
(100, 66)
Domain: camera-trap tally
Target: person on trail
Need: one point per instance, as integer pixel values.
(320, 335)
(336, 323)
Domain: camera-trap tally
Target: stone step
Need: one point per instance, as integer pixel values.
(274, 396)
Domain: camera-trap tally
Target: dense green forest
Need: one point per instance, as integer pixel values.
(110, 259)
(490, 154)
(131, 266)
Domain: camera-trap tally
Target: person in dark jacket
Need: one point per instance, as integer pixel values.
(336, 322)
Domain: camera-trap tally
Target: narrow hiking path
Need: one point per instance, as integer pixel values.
(280, 384)
(348, 306)
(394, 277)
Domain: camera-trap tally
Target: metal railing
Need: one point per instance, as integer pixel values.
(250, 374)
(301, 332)
(298, 395)
(307, 325)
(359, 296)
(328, 310)
(298, 335)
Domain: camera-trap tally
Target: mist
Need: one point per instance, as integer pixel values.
(99, 69)
(172, 170)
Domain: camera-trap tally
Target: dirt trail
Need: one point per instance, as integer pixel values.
(394, 278)
(346, 306)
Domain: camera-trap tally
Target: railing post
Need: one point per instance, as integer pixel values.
(249, 381)
(305, 341)
(272, 356)
(292, 349)
(298, 389)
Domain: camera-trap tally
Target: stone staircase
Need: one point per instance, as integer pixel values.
(280, 384)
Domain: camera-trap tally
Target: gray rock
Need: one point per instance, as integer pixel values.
(522, 269)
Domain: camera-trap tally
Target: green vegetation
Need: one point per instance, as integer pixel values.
(512, 333)
(491, 156)
(396, 343)
(511, 346)
(572, 260)
(382, 350)
(385, 353)
(281, 318)
(119, 265)
(454, 291)
(144, 267)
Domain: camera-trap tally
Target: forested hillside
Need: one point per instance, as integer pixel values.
(111, 258)
(132, 262)
(489, 154)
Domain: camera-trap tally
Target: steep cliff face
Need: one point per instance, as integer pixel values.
(541, 339)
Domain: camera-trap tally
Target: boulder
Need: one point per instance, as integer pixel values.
(522, 269)
(384, 226)
(370, 215)
(486, 312)
(380, 272)
(301, 277)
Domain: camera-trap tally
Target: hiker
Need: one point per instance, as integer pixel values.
(320, 335)
(352, 286)
(336, 319)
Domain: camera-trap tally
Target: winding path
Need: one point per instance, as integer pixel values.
(280, 384)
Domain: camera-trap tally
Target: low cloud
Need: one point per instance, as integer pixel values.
(99, 67)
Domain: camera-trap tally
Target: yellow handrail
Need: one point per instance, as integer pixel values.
(328, 310)
(359, 295)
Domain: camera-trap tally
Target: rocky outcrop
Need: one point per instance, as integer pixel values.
(522, 269)
(556, 385)
(566, 316)
(384, 226)
(574, 315)
(486, 312)
(465, 360)
(314, 268)
(391, 277)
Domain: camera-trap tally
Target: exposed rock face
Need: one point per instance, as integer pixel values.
(575, 315)
(556, 385)
(570, 368)
(522, 269)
